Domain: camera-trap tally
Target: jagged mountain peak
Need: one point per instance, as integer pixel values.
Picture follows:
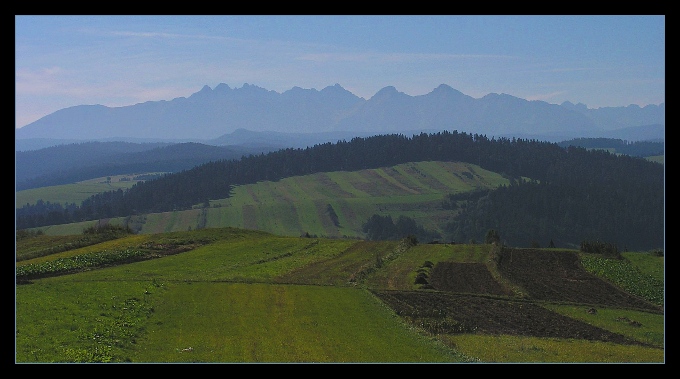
(212, 113)
(222, 88)
(387, 92)
(335, 88)
(205, 92)
(444, 90)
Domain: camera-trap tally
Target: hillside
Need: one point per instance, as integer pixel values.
(66, 164)
(563, 195)
(303, 204)
(232, 295)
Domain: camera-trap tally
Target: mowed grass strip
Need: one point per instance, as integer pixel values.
(259, 323)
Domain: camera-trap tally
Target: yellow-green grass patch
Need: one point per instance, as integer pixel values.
(641, 326)
(647, 263)
(261, 323)
(515, 349)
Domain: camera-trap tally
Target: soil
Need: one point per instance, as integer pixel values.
(465, 298)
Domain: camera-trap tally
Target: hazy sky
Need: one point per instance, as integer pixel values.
(601, 61)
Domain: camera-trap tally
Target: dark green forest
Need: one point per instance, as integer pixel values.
(632, 148)
(572, 193)
(72, 163)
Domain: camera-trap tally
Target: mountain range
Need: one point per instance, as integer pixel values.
(252, 115)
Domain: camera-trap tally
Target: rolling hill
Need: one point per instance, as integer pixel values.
(550, 194)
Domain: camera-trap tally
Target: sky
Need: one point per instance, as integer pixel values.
(597, 60)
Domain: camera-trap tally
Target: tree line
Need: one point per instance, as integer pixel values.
(603, 194)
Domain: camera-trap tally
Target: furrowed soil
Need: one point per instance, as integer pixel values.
(466, 298)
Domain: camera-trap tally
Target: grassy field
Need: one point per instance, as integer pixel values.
(76, 192)
(236, 283)
(242, 296)
(298, 205)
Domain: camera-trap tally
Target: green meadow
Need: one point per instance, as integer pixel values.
(245, 296)
(75, 192)
(299, 205)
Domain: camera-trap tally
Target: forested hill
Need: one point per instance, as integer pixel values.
(619, 146)
(622, 197)
(81, 161)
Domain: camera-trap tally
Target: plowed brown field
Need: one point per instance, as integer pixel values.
(465, 298)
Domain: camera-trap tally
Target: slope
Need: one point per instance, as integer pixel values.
(247, 296)
(298, 205)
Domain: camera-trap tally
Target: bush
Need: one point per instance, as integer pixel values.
(24, 233)
(608, 250)
(107, 229)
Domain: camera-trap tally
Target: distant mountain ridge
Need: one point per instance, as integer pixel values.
(215, 114)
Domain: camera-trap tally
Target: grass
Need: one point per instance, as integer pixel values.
(653, 265)
(211, 305)
(278, 323)
(506, 348)
(252, 297)
(400, 273)
(81, 322)
(296, 205)
(641, 326)
(73, 193)
(626, 275)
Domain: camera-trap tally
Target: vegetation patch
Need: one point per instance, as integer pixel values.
(627, 276)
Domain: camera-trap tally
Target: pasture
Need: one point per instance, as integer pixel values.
(231, 295)
(298, 205)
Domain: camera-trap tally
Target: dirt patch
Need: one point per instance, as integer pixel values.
(465, 278)
(466, 298)
(559, 276)
(447, 313)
